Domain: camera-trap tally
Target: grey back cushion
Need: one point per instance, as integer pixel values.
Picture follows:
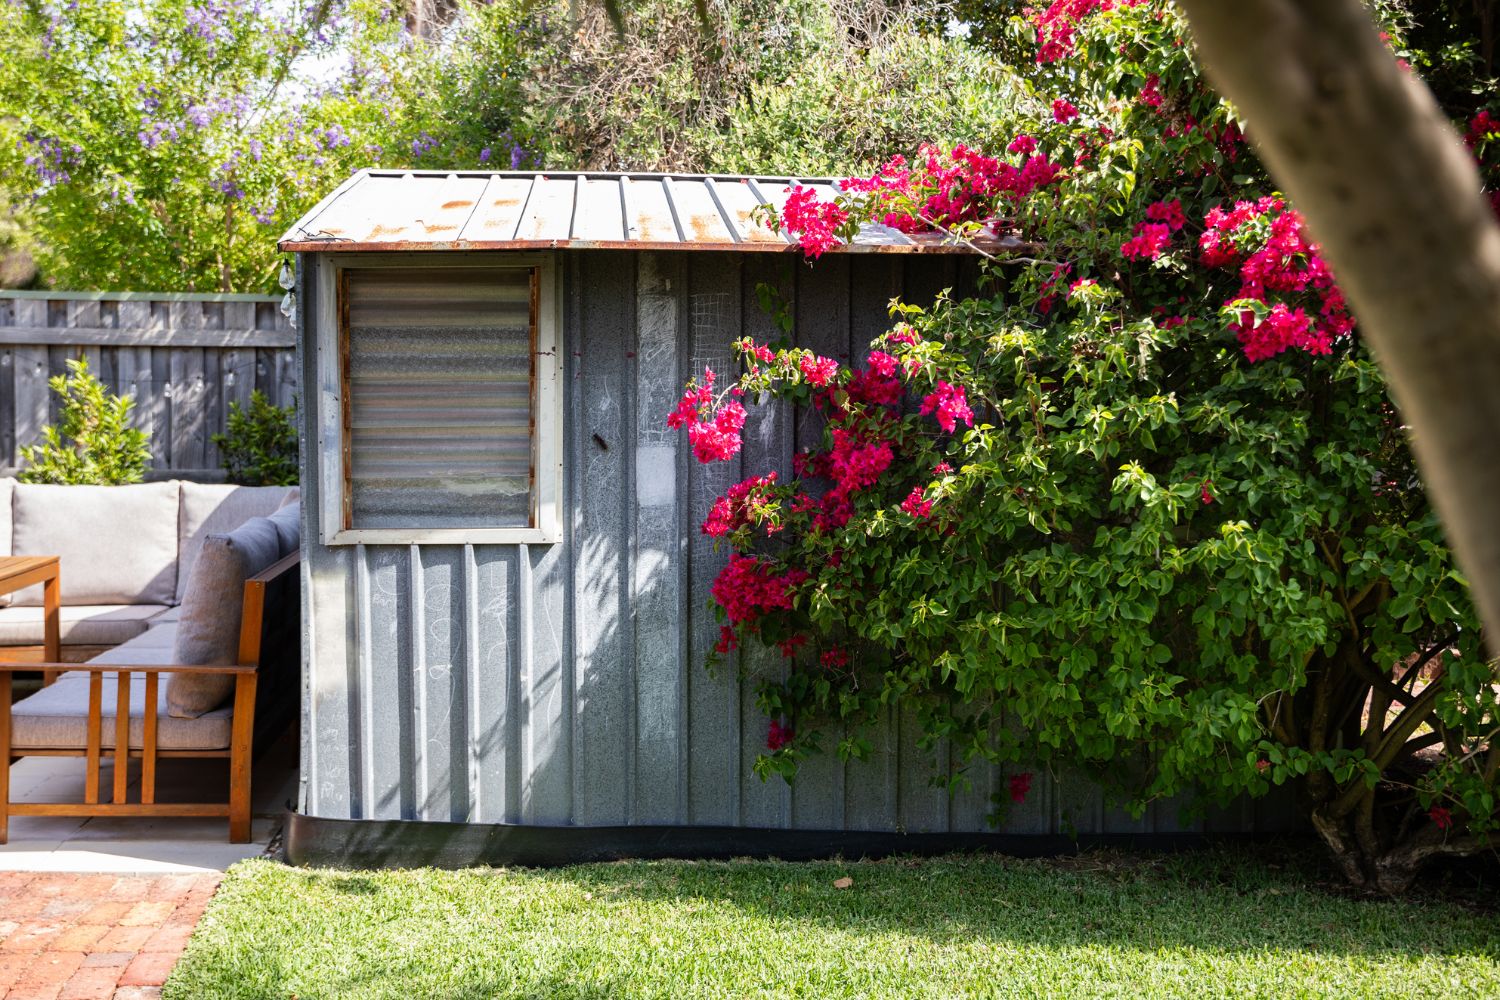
(288, 522)
(216, 508)
(208, 626)
(118, 543)
(6, 485)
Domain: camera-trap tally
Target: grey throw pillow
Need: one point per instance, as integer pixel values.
(208, 626)
(288, 522)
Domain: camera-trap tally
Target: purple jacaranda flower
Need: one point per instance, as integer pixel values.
(484, 155)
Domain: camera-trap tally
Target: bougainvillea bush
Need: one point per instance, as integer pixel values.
(1142, 506)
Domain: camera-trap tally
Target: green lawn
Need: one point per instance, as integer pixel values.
(1209, 924)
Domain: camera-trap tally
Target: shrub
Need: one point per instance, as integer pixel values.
(259, 447)
(93, 443)
(1143, 506)
(722, 86)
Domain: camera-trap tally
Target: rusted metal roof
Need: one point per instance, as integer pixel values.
(482, 210)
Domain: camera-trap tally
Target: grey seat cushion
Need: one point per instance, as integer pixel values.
(169, 616)
(208, 627)
(56, 717)
(216, 508)
(153, 646)
(79, 624)
(118, 544)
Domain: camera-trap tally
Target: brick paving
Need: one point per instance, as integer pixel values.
(95, 937)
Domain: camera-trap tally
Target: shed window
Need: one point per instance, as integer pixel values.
(439, 397)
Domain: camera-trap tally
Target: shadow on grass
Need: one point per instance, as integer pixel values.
(737, 928)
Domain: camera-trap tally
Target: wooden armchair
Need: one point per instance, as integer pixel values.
(269, 658)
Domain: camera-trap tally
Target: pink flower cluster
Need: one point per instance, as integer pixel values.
(916, 506)
(835, 658)
(747, 588)
(1063, 111)
(1150, 241)
(713, 432)
(1287, 265)
(745, 503)
(854, 463)
(1056, 23)
(1153, 236)
(1020, 786)
(947, 187)
(1482, 126)
(877, 384)
(750, 349)
(1150, 94)
(818, 371)
(778, 735)
(950, 405)
(815, 222)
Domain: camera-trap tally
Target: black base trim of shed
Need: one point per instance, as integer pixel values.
(357, 843)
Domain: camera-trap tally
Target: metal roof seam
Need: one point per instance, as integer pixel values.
(625, 226)
(573, 212)
(729, 223)
(515, 233)
(666, 184)
(473, 209)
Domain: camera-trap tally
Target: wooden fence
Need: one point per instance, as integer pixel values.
(184, 357)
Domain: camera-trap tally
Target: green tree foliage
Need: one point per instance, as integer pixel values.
(259, 447)
(204, 128)
(197, 133)
(93, 443)
(723, 86)
(1146, 508)
(17, 263)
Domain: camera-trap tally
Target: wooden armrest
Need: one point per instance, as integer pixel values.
(277, 568)
(129, 668)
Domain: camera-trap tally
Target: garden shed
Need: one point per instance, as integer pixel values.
(506, 590)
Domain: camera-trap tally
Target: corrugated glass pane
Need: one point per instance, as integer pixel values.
(440, 397)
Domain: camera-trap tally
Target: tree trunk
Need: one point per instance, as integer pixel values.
(1386, 186)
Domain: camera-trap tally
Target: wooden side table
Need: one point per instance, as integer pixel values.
(18, 572)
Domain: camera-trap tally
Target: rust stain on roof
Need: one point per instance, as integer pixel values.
(460, 203)
(704, 228)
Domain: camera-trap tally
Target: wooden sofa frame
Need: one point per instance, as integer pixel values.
(246, 673)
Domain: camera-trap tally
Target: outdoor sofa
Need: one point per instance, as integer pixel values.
(186, 595)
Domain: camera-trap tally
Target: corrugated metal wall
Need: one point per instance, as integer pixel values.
(564, 683)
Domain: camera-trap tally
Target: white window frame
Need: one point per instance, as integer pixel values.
(547, 404)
